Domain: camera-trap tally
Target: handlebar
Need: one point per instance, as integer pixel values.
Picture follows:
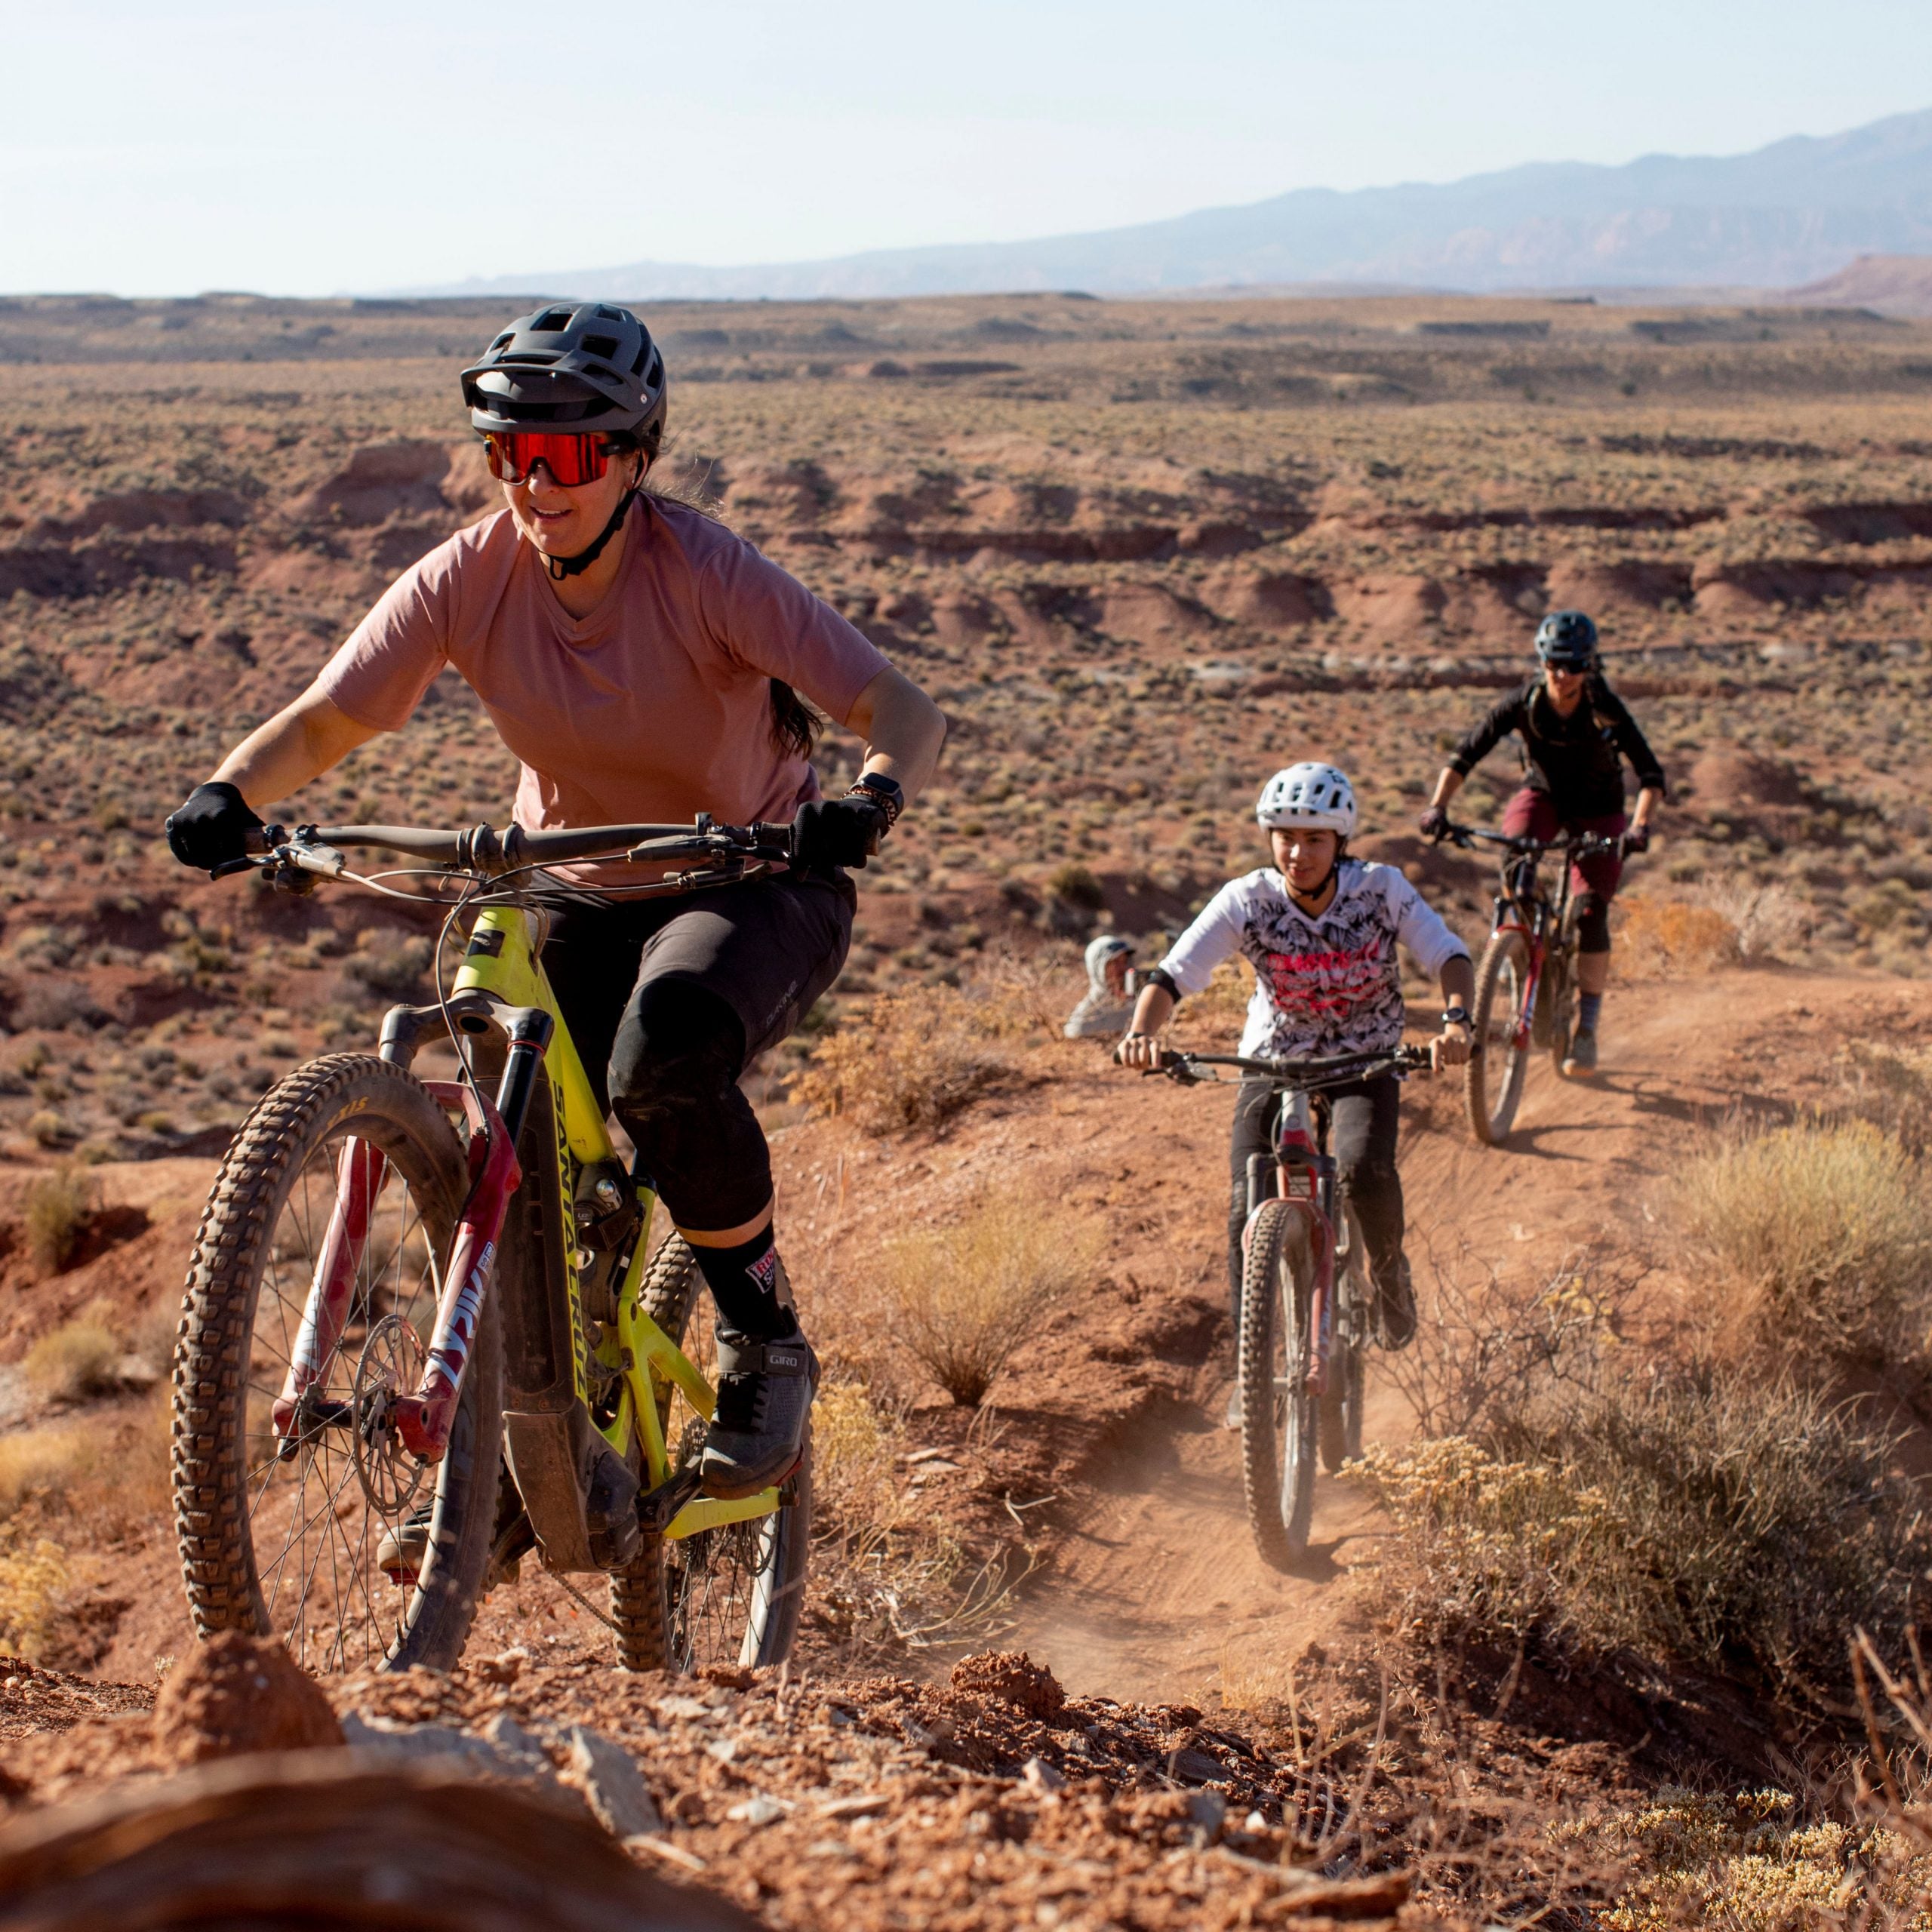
(1306, 1075)
(1577, 844)
(320, 849)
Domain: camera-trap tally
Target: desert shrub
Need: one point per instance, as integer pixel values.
(855, 1445)
(41, 1466)
(1751, 1861)
(1891, 1087)
(966, 1297)
(1767, 918)
(80, 1358)
(1073, 885)
(1700, 1516)
(1813, 1236)
(33, 1583)
(391, 964)
(909, 1059)
(59, 1205)
(1674, 936)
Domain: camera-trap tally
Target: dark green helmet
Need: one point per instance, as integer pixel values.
(581, 371)
(1567, 640)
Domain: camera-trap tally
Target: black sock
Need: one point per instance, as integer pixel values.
(743, 1282)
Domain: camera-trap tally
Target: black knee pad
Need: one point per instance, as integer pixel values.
(679, 1047)
(1592, 922)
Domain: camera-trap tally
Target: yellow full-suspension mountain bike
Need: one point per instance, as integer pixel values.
(425, 1332)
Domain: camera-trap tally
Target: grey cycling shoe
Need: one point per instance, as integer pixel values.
(764, 1398)
(1395, 1308)
(1580, 1062)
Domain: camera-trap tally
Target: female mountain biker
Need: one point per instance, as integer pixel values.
(639, 658)
(1575, 733)
(1320, 929)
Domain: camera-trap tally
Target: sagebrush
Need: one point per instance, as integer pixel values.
(1695, 1515)
(1810, 1240)
(966, 1297)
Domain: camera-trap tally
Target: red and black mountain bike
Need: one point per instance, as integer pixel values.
(1526, 984)
(1306, 1303)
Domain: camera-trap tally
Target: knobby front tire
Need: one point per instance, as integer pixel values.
(1500, 1061)
(288, 1548)
(730, 1595)
(1278, 1413)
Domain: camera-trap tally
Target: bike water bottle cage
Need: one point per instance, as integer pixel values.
(572, 460)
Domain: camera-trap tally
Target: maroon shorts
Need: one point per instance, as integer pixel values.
(1532, 814)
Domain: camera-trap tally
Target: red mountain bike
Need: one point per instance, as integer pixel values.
(1307, 1305)
(1526, 985)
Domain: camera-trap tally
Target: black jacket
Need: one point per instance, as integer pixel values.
(1578, 760)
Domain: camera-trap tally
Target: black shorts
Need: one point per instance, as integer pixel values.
(767, 949)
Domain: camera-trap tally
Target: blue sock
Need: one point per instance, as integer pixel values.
(1588, 1005)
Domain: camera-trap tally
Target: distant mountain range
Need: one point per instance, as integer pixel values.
(1794, 212)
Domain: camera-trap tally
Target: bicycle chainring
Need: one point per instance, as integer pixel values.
(389, 1368)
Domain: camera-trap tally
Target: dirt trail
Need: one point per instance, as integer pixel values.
(1157, 1590)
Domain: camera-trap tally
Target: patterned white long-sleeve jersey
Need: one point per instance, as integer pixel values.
(1323, 985)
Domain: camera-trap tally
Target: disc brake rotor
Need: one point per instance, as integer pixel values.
(390, 1366)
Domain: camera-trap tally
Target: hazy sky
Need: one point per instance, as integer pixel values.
(306, 149)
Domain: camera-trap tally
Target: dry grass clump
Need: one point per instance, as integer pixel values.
(1749, 1862)
(80, 1359)
(34, 1584)
(42, 1467)
(1701, 1517)
(966, 1297)
(1815, 1237)
(856, 1447)
(912, 1059)
(59, 1207)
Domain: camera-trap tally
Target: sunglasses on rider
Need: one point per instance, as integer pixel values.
(512, 454)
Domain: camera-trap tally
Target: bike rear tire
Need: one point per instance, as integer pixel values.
(1340, 1409)
(234, 1496)
(726, 1596)
(1498, 1061)
(1277, 1412)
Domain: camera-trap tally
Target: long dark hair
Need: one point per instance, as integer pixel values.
(795, 725)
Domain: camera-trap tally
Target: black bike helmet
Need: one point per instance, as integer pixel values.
(1568, 640)
(572, 371)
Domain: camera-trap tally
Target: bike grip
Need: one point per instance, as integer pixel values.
(259, 839)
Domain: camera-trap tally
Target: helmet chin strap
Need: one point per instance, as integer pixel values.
(560, 568)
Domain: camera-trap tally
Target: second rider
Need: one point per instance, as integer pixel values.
(1320, 929)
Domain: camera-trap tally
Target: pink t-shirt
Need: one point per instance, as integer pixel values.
(655, 707)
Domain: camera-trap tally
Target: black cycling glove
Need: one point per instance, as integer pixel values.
(837, 832)
(211, 825)
(1434, 822)
(1637, 839)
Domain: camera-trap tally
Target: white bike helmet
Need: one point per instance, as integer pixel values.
(1309, 794)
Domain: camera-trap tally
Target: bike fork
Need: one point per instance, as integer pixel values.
(422, 1419)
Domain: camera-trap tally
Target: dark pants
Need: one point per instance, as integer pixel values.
(670, 1000)
(1364, 1117)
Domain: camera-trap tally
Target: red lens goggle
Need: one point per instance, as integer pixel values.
(513, 453)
